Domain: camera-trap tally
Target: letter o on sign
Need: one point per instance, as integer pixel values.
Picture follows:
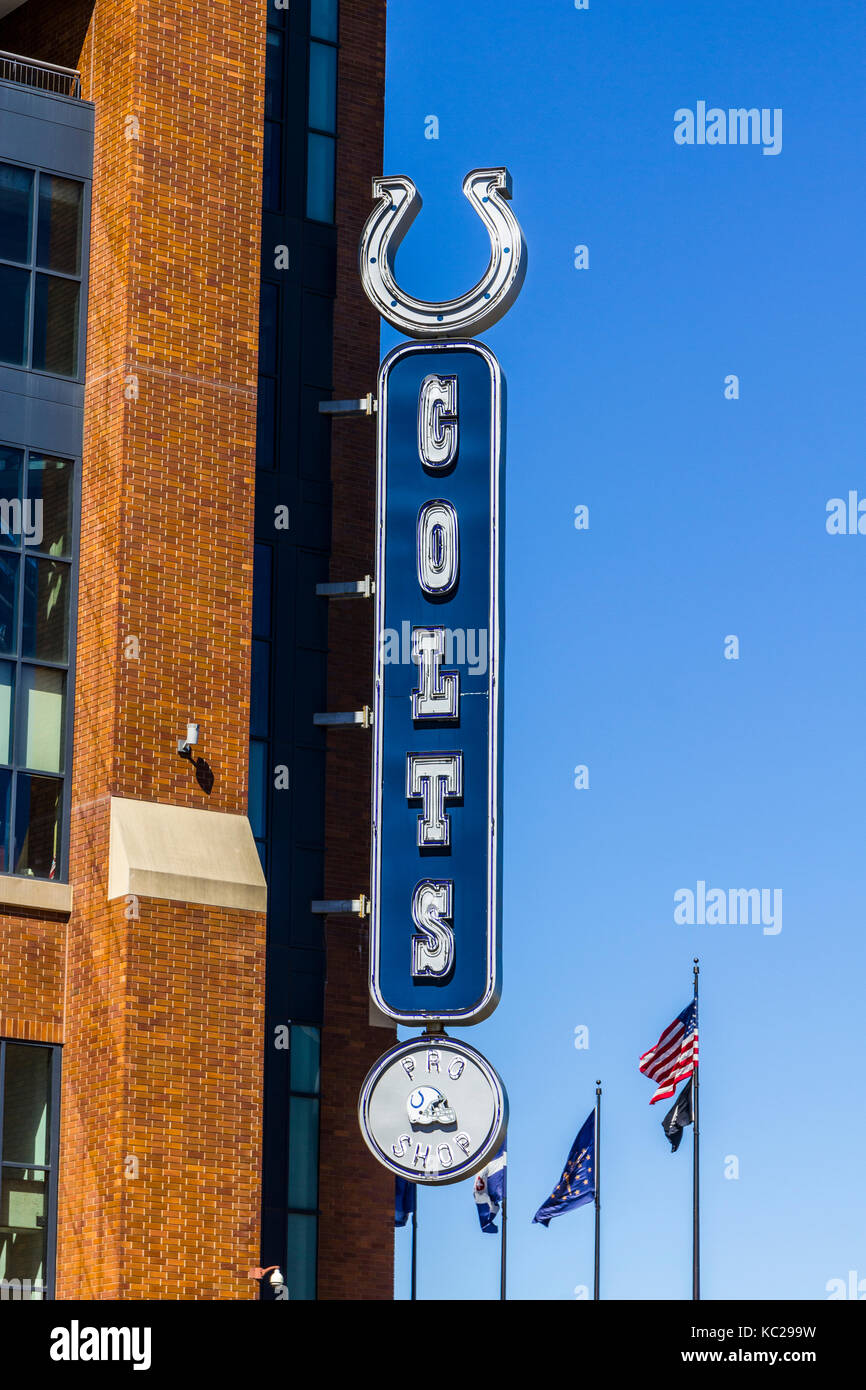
(438, 549)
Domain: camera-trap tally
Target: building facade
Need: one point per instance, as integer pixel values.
(182, 1036)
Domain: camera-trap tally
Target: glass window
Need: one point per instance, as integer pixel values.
(258, 789)
(43, 691)
(58, 224)
(36, 512)
(27, 1180)
(11, 464)
(303, 1152)
(5, 820)
(304, 1059)
(274, 75)
(7, 688)
(16, 213)
(259, 690)
(9, 566)
(269, 307)
(320, 177)
(323, 19)
(49, 514)
(272, 167)
(323, 87)
(301, 1260)
(37, 825)
(15, 298)
(23, 1218)
(45, 623)
(26, 1101)
(262, 567)
(51, 301)
(266, 428)
(55, 325)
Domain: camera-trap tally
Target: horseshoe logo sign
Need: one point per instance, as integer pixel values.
(398, 204)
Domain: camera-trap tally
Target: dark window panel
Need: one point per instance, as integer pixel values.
(15, 299)
(322, 113)
(5, 824)
(260, 702)
(23, 1224)
(303, 1153)
(9, 569)
(274, 75)
(7, 705)
(266, 429)
(258, 789)
(49, 483)
(37, 825)
(26, 1105)
(11, 465)
(55, 325)
(304, 1058)
(269, 311)
(45, 628)
(262, 581)
(58, 224)
(323, 19)
(320, 178)
(42, 704)
(16, 213)
(272, 182)
(300, 1269)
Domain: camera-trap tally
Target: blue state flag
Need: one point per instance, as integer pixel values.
(405, 1193)
(576, 1187)
(490, 1192)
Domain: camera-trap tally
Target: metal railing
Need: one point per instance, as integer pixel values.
(46, 77)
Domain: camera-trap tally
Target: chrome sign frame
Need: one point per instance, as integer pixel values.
(392, 944)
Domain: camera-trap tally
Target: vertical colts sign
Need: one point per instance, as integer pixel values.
(432, 1109)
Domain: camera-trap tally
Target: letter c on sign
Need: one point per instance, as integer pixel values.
(438, 549)
(437, 422)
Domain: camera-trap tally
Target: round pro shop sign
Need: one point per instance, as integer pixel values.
(433, 1110)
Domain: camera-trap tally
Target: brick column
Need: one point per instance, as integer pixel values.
(161, 1118)
(356, 1240)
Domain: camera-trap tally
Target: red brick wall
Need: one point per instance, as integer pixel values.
(161, 1108)
(31, 976)
(356, 1241)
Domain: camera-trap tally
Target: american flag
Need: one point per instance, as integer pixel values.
(675, 1055)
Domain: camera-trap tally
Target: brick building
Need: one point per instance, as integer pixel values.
(182, 1037)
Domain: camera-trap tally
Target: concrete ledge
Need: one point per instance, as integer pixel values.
(177, 852)
(41, 894)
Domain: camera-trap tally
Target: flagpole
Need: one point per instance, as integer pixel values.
(503, 1247)
(596, 1282)
(696, 1192)
(414, 1293)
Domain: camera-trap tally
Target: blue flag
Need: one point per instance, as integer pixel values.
(576, 1187)
(490, 1192)
(405, 1193)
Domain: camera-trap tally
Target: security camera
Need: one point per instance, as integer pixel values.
(184, 745)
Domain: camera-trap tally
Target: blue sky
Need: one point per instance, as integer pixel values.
(707, 518)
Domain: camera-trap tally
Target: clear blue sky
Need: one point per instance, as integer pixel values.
(707, 518)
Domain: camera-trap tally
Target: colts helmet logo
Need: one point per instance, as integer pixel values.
(427, 1106)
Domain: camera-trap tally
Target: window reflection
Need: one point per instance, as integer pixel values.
(58, 234)
(16, 212)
